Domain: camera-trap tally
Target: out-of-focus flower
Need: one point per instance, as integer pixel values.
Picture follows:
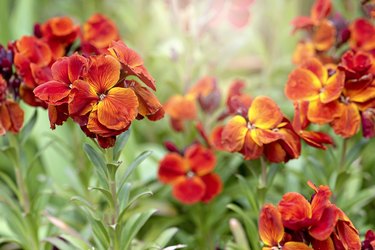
(362, 35)
(311, 82)
(59, 33)
(369, 241)
(319, 11)
(32, 58)
(300, 123)
(180, 109)
(97, 35)
(263, 129)
(324, 36)
(303, 51)
(11, 115)
(317, 222)
(191, 174)
(206, 91)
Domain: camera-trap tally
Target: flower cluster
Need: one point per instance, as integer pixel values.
(191, 174)
(338, 88)
(82, 73)
(297, 223)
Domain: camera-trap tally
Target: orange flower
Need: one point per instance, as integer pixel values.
(191, 174)
(311, 82)
(65, 71)
(300, 123)
(59, 33)
(362, 35)
(271, 230)
(303, 51)
(324, 36)
(98, 103)
(180, 109)
(206, 91)
(319, 11)
(11, 115)
(263, 125)
(97, 34)
(32, 58)
(358, 95)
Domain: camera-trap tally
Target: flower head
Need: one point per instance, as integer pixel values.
(191, 174)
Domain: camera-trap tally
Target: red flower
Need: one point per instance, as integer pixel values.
(59, 33)
(98, 103)
(191, 174)
(97, 34)
(32, 58)
(11, 115)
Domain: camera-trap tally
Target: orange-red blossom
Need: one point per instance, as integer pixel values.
(297, 223)
(264, 130)
(191, 174)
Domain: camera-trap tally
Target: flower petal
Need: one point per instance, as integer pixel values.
(271, 229)
(265, 136)
(323, 228)
(118, 108)
(322, 113)
(213, 184)
(181, 107)
(103, 73)
(348, 123)
(324, 36)
(295, 211)
(316, 139)
(264, 113)
(53, 92)
(11, 116)
(234, 134)
(171, 167)
(77, 66)
(82, 98)
(250, 149)
(98, 129)
(325, 244)
(201, 160)
(333, 87)
(302, 85)
(188, 190)
(297, 246)
(348, 235)
(60, 70)
(274, 152)
(317, 68)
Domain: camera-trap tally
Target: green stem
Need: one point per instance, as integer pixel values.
(342, 166)
(204, 236)
(24, 197)
(263, 177)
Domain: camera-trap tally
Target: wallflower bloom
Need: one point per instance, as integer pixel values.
(98, 104)
(32, 58)
(300, 123)
(191, 174)
(317, 222)
(97, 34)
(206, 91)
(319, 11)
(311, 82)
(180, 109)
(59, 33)
(65, 71)
(11, 115)
(263, 129)
(271, 231)
(369, 241)
(362, 35)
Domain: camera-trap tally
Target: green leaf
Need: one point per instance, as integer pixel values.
(132, 227)
(120, 144)
(78, 243)
(100, 233)
(251, 228)
(27, 129)
(86, 206)
(60, 244)
(22, 18)
(121, 179)
(9, 182)
(97, 160)
(165, 237)
(249, 193)
(106, 193)
(124, 195)
(137, 197)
